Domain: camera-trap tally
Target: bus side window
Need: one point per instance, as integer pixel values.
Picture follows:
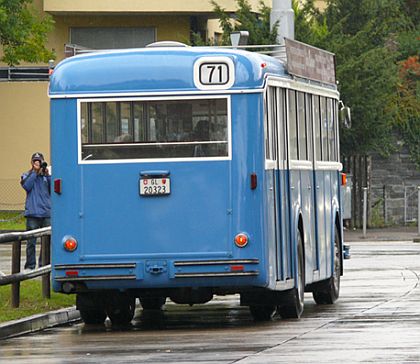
(271, 152)
(324, 128)
(281, 114)
(336, 130)
(302, 132)
(293, 142)
(309, 124)
(317, 122)
(331, 130)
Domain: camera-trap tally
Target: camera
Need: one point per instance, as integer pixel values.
(44, 166)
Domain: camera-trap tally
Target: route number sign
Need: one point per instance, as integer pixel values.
(214, 73)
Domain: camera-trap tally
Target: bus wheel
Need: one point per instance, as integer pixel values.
(152, 303)
(292, 301)
(91, 308)
(262, 312)
(120, 308)
(327, 292)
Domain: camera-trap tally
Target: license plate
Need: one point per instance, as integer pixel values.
(155, 186)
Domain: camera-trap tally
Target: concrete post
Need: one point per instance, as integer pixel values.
(365, 190)
(282, 11)
(418, 210)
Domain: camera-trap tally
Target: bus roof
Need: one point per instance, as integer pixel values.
(168, 69)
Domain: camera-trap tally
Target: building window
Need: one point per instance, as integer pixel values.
(112, 37)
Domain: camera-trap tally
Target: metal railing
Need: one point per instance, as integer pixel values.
(16, 275)
(41, 73)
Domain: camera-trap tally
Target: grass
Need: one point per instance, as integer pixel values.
(31, 301)
(12, 220)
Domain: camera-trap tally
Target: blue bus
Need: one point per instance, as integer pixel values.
(189, 172)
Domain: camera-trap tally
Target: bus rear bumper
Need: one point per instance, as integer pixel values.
(157, 274)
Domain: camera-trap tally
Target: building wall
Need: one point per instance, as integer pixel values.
(141, 6)
(167, 27)
(24, 129)
(24, 117)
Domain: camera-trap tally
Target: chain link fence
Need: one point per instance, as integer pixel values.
(12, 195)
(392, 205)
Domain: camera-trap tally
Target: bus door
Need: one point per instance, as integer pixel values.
(321, 179)
(284, 271)
(277, 179)
(308, 202)
(272, 178)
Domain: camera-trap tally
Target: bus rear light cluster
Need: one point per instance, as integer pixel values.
(254, 181)
(237, 268)
(72, 273)
(343, 179)
(241, 240)
(70, 244)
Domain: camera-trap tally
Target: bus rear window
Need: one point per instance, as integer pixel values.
(195, 128)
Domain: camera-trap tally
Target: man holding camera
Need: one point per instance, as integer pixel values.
(37, 184)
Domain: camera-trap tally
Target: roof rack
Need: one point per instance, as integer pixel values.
(300, 59)
(276, 51)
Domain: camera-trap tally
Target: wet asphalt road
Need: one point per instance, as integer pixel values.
(376, 320)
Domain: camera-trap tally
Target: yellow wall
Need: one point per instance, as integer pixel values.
(168, 27)
(140, 6)
(24, 129)
(24, 106)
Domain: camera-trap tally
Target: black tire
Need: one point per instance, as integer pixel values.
(91, 308)
(293, 300)
(120, 309)
(327, 293)
(152, 303)
(262, 312)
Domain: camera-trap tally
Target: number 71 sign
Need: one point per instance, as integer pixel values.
(214, 73)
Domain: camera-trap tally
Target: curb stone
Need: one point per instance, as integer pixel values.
(38, 322)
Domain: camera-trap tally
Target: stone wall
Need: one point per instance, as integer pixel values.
(393, 189)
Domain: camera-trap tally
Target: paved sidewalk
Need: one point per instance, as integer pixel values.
(395, 233)
(38, 322)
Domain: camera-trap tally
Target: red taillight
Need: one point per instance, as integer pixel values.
(57, 185)
(70, 244)
(241, 240)
(343, 179)
(72, 273)
(237, 268)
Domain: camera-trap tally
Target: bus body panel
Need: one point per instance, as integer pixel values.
(113, 223)
(187, 238)
(141, 225)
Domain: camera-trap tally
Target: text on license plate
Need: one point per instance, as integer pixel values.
(155, 186)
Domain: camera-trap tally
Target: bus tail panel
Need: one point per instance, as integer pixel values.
(118, 222)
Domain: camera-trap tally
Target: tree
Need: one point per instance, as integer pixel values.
(374, 40)
(23, 33)
(310, 27)
(364, 36)
(258, 24)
